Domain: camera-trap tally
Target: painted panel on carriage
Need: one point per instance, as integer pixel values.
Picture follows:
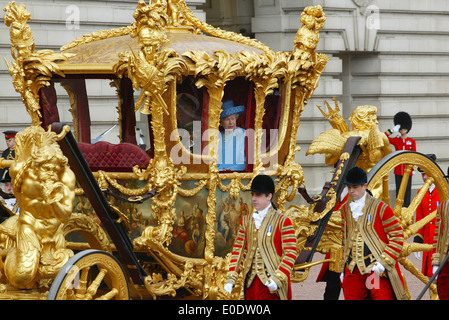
(189, 226)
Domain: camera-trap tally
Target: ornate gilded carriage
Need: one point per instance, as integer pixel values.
(160, 219)
(170, 197)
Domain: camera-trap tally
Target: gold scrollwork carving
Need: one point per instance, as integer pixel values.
(31, 69)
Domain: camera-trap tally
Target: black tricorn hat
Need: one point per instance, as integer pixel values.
(356, 176)
(263, 184)
(404, 119)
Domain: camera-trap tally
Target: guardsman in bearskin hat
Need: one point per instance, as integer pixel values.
(428, 204)
(372, 242)
(403, 125)
(265, 248)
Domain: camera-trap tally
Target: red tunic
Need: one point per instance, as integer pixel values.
(429, 203)
(402, 144)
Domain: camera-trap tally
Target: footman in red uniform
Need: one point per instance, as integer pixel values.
(372, 242)
(265, 248)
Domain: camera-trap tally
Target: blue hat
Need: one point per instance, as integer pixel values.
(229, 108)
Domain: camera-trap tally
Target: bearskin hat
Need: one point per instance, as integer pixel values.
(356, 176)
(404, 119)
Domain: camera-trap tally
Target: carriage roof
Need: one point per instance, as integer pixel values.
(100, 55)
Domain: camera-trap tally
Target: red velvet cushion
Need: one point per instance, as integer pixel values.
(114, 157)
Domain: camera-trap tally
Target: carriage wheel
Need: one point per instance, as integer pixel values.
(90, 275)
(378, 183)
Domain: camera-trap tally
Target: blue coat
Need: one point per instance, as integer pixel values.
(231, 150)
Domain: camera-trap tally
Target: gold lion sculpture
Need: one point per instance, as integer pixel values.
(374, 144)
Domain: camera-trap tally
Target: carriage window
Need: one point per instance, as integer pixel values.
(237, 134)
(236, 139)
(271, 121)
(110, 134)
(103, 112)
(92, 106)
(189, 106)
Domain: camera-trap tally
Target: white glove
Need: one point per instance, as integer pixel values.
(228, 287)
(342, 276)
(378, 268)
(417, 255)
(434, 270)
(396, 128)
(271, 285)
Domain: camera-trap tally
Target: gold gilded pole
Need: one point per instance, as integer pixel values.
(152, 70)
(263, 71)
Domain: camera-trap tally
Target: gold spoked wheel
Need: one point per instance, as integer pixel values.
(90, 275)
(378, 182)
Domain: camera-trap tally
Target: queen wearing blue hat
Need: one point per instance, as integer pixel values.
(231, 145)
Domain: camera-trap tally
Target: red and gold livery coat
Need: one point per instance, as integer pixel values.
(381, 233)
(275, 242)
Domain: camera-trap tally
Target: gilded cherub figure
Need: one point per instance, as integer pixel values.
(44, 186)
(307, 37)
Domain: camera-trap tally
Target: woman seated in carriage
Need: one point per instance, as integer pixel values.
(231, 145)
